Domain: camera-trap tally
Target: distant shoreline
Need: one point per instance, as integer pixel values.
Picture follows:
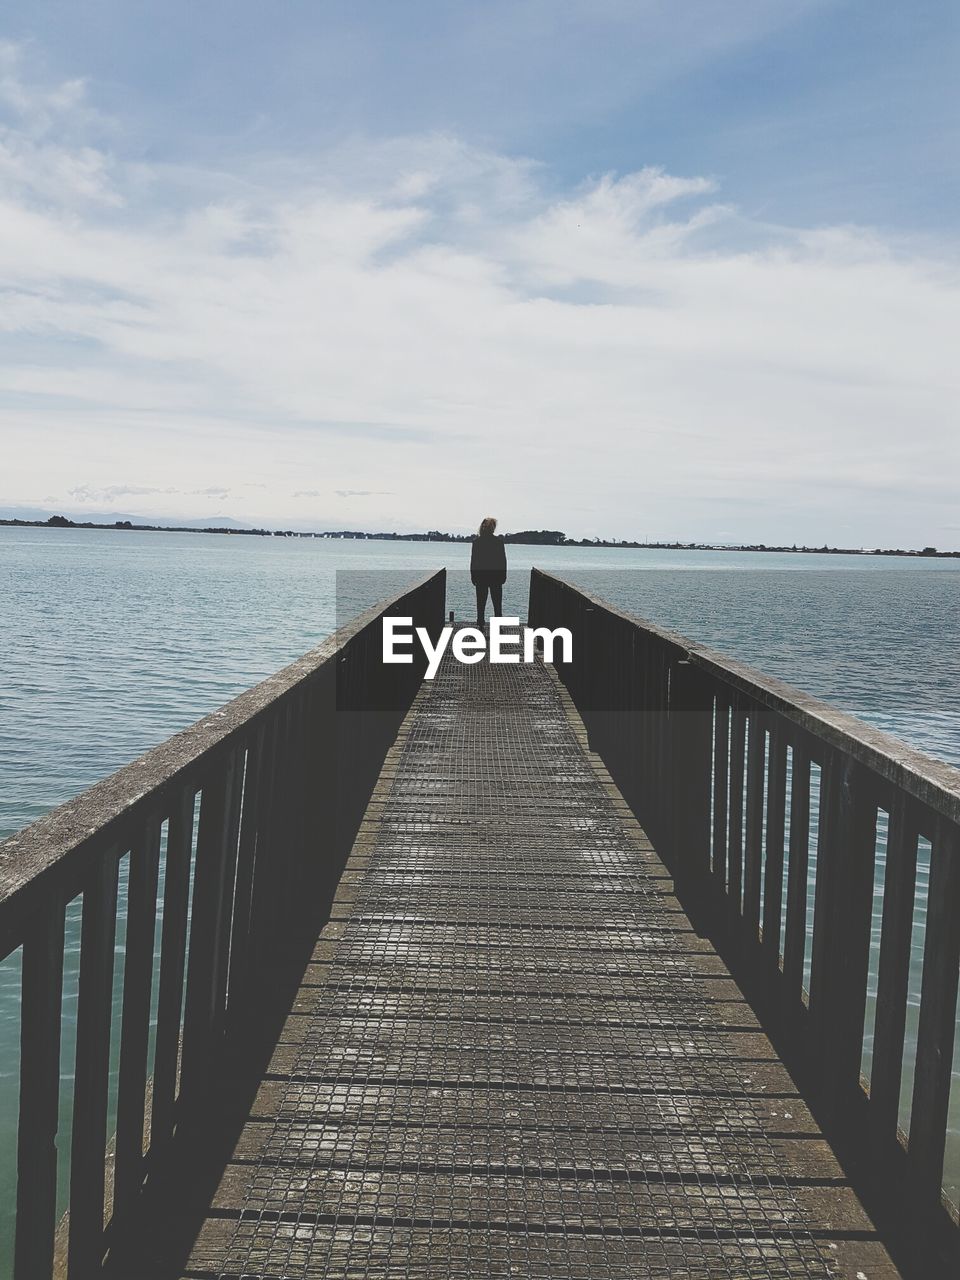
(540, 538)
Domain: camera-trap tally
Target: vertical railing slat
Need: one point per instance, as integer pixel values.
(691, 714)
(290, 878)
(270, 851)
(795, 925)
(251, 816)
(269, 838)
(938, 1015)
(91, 1081)
(173, 938)
(135, 1024)
(738, 731)
(843, 912)
(721, 783)
(893, 974)
(206, 928)
(40, 1019)
(774, 844)
(231, 838)
(753, 843)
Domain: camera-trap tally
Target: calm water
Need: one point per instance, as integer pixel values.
(111, 642)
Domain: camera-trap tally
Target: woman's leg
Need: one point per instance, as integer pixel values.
(481, 601)
(496, 597)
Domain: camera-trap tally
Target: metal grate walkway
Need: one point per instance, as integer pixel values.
(511, 1056)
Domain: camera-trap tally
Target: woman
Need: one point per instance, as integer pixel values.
(488, 568)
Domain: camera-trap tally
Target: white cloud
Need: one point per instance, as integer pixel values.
(429, 322)
(109, 493)
(38, 106)
(42, 154)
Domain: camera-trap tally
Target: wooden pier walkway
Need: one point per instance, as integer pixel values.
(511, 1055)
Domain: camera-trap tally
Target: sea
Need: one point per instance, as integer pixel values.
(110, 641)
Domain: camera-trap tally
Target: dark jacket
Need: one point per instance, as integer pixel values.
(488, 560)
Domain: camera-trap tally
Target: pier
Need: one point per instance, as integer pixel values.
(561, 971)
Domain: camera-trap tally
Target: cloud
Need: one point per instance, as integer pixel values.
(362, 493)
(38, 105)
(36, 158)
(343, 493)
(111, 492)
(442, 325)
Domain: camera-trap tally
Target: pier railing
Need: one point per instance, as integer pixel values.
(206, 854)
(826, 852)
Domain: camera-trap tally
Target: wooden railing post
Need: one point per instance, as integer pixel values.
(207, 927)
(135, 1021)
(40, 1013)
(774, 846)
(721, 793)
(241, 970)
(893, 974)
(795, 925)
(92, 1078)
(938, 1017)
(691, 732)
(753, 831)
(735, 838)
(173, 939)
(843, 909)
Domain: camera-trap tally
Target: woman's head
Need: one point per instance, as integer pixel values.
(487, 525)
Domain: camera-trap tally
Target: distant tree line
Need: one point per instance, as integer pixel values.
(528, 537)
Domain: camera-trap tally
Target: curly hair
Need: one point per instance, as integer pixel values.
(487, 525)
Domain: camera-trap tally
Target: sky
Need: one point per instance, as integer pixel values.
(653, 269)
